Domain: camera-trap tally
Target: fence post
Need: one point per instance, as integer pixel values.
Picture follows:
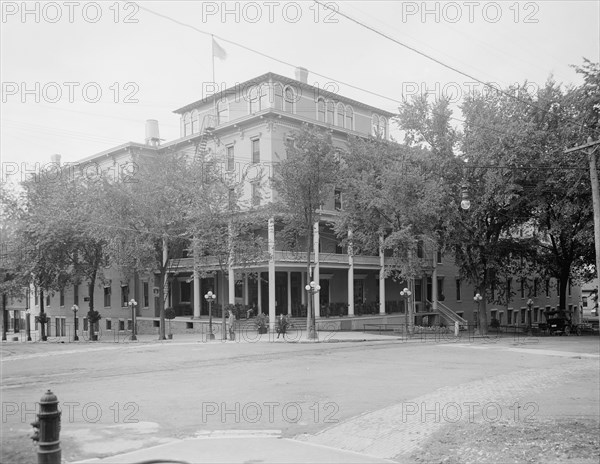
(47, 430)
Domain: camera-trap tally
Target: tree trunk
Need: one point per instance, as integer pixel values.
(42, 315)
(309, 306)
(563, 283)
(91, 307)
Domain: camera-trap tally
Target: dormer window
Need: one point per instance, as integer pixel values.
(187, 124)
(195, 122)
(222, 111)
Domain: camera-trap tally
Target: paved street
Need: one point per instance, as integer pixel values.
(374, 400)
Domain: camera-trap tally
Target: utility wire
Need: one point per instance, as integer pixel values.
(435, 60)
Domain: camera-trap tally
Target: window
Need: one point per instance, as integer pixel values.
(375, 125)
(187, 124)
(124, 295)
(85, 323)
(420, 249)
(290, 100)
(440, 289)
(263, 98)
(522, 316)
(106, 297)
(62, 297)
(253, 100)
(321, 110)
(255, 186)
(185, 291)
(48, 299)
(523, 288)
(121, 324)
(509, 316)
(256, 150)
(222, 111)
(76, 294)
(108, 324)
(278, 96)
(340, 114)
(146, 296)
(349, 118)
(230, 158)
(330, 112)
(418, 290)
(458, 295)
(337, 199)
(195, 122)
(383, 127)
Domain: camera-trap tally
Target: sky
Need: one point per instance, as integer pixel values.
(81, 77)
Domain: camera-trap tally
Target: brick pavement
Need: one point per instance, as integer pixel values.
(398, 431)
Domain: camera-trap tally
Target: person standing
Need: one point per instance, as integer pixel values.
(230, 324)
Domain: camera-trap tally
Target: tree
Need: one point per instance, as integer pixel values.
(304, 180)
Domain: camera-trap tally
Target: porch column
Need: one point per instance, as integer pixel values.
(196, 295)
(289, 293)
(350, 276)
(316, 302)
(271, 240)
(246, 289)
(302, 285)
(381, 277)
(434, 282)
(230, 271)
(259, 292)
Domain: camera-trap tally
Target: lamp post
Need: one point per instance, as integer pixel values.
(210, 297)
(529, 306)
(132, 303)
(405, 295)
(74, 308)
(28, 324)
(312, 289)
(477, 298)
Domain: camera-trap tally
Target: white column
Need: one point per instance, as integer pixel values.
(259, 293)
(289, 293)
(302, 285)
(316, 302)
(246, 289)
(197, 295)
(381, 277)
(230, 271)
(350, 276)
(271, 240)
(434, 282)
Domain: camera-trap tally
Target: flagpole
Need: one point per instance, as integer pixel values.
(212, 37)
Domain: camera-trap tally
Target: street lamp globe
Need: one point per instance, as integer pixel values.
(477, 298)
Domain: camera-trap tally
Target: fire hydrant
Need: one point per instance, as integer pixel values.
(47, 430)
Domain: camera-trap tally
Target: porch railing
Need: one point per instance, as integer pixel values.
(449, 315)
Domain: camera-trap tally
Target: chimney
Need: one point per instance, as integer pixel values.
(152, 136)
(302, 75)
(55, 159)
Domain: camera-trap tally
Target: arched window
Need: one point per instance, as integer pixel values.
(321, 110)
(340, 114)
(330, 112)
(375, 125)
(290, 100)
(383, 127)
(278, 96)
(222, 111)
(187, 124)
(263, 98)
(349, 118)
(253, 100)
(195, 122)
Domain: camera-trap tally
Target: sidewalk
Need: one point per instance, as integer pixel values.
(240, 447)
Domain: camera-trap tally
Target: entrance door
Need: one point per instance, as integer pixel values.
(281, 297)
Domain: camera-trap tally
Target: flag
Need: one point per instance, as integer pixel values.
(218, 51)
